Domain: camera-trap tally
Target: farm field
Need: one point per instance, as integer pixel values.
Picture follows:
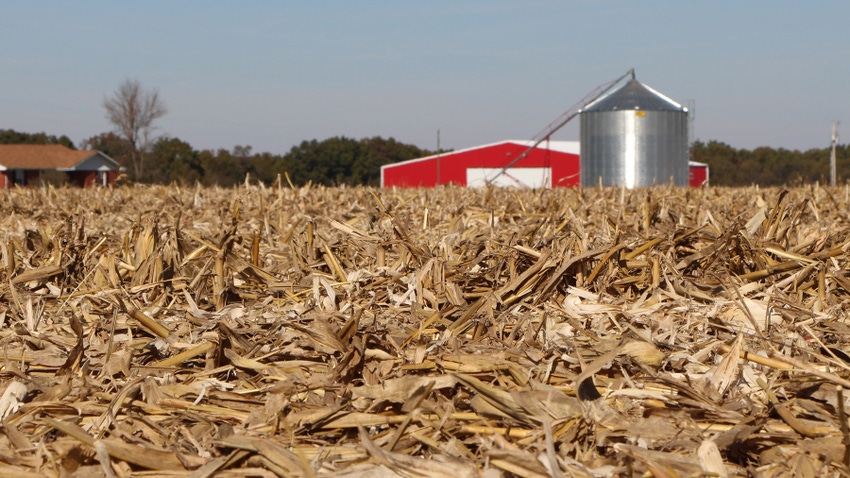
(279, 331)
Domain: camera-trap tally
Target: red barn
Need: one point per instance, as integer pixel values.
(550, 164)
(698, 174)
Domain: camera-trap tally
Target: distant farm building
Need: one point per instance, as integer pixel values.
(550, 164)
(28, 164)
(697, 174)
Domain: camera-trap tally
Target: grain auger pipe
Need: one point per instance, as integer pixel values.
(562, 120)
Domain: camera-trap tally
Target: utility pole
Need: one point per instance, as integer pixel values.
(832, 175)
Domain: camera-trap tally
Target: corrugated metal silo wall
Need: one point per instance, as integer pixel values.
(634, 147)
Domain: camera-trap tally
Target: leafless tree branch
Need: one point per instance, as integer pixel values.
(133, 111)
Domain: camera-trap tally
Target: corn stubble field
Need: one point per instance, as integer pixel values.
(278, 331)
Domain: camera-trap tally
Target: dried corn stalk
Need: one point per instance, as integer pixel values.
(348, 331)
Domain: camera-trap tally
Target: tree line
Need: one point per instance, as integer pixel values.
(331, 162)
(765, 166)
(132, 110)
(347, 161)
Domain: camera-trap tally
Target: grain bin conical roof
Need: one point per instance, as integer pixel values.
(634, 95)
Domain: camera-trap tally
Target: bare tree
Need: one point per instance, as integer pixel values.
(133, 111)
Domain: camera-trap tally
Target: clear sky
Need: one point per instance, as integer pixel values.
(270, 74)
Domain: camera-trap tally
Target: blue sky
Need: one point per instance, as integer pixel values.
(270, 74)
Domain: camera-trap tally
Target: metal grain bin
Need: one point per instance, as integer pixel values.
(636, 137)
